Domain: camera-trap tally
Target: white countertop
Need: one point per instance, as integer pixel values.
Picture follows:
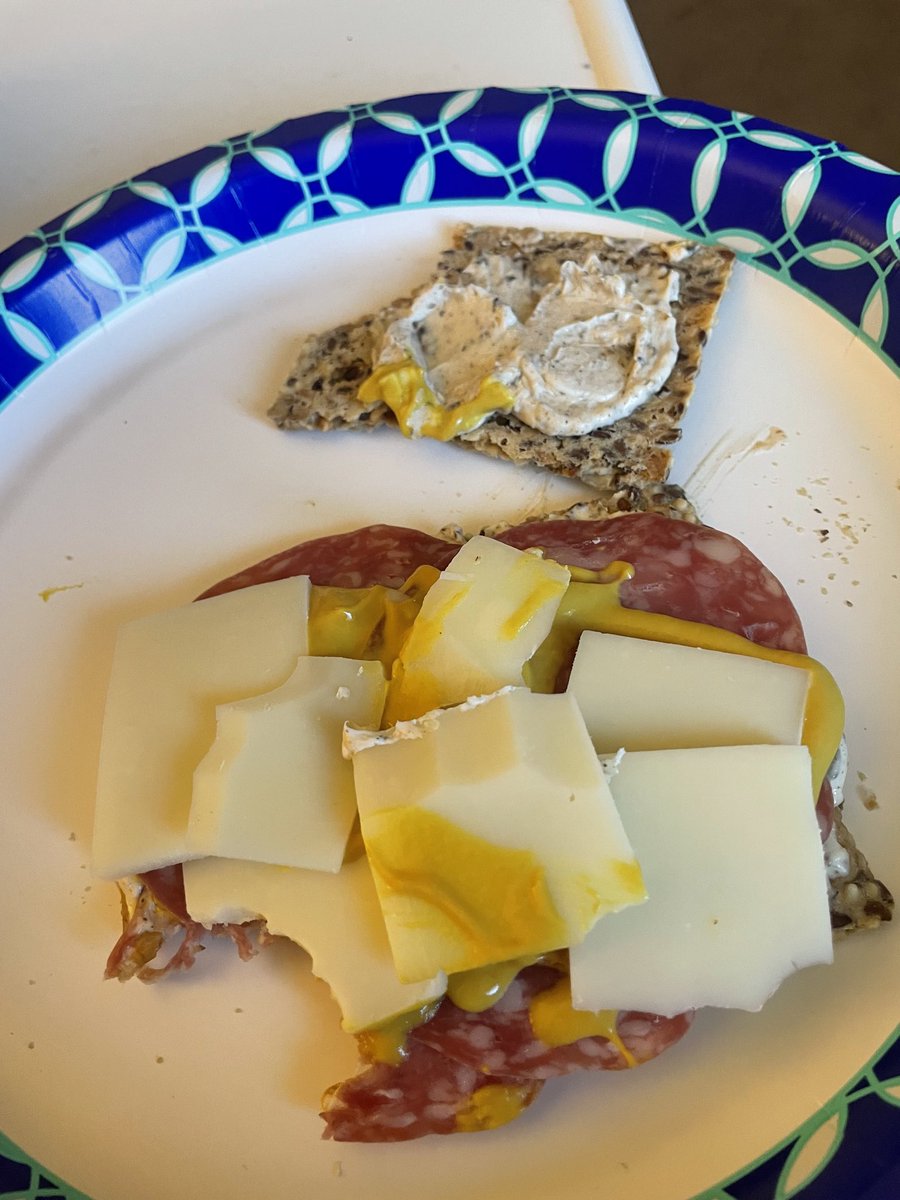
(94, 91)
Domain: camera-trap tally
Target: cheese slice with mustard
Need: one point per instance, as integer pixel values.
(491, 832)
(480, 622)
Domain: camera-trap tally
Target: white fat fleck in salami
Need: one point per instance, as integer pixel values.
(480, 1035)
(439, 1112)
(591, 1048)
(718, 549)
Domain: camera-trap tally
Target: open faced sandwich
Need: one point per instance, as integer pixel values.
(497, 786)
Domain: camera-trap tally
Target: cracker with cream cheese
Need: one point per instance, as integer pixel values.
(620, 460)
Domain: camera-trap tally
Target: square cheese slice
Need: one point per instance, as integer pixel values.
(480, 622)
(642, 695)
(170, 670)
(491, 832)
(729, 844)
(336, 918)
(274, 786)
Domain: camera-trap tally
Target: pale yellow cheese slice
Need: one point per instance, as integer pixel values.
(491, 832)
(336, 918)
(643, 695)
(729, 845)
(273, 786)
(169, 672)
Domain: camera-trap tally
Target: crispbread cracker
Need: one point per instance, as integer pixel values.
(320, 392)
(857, 899)
(667, 499)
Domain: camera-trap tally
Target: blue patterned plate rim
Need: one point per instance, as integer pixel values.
(822, 219)
(817, 216)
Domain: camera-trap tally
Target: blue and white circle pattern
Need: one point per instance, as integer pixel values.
(806, 210)
(815, 215)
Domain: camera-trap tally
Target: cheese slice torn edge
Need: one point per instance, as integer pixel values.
(273, 786)
(742, 903)
(170, 670)
(336, 918)
(491, 832)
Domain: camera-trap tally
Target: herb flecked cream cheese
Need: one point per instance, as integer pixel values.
(588, 349)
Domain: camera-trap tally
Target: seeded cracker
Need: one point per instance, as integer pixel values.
(621, 460)
(857, 899)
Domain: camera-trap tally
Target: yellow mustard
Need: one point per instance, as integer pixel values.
(375, 623)
(413, 690)
(366, 623)
(595, 605)
(402, 387)
(386, 1043)
(488, 903)
(493, 1105)
(532, 604)
(481, 988)
(557, 1023)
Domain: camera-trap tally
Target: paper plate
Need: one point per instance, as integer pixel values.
(142, 336)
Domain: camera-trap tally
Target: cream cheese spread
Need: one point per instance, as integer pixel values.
(592, 352)
(456, 336)
(566, 357)
(837, 859)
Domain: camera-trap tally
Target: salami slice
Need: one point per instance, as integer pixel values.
(681, 570)
(167, 886)
(157, 920)
(427, 1092)
(501, 1039)
(385, 554)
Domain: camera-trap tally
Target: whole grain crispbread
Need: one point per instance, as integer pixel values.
(857, 899)
(667, 499)
(320, 392)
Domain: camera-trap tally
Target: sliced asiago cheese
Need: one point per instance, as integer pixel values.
(479, 624)
(334, 917)
(729, 844)
(643, 695)
(273, 787)
(169, 672)
(491, 832)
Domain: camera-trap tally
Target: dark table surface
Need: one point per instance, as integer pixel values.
(831, 67)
